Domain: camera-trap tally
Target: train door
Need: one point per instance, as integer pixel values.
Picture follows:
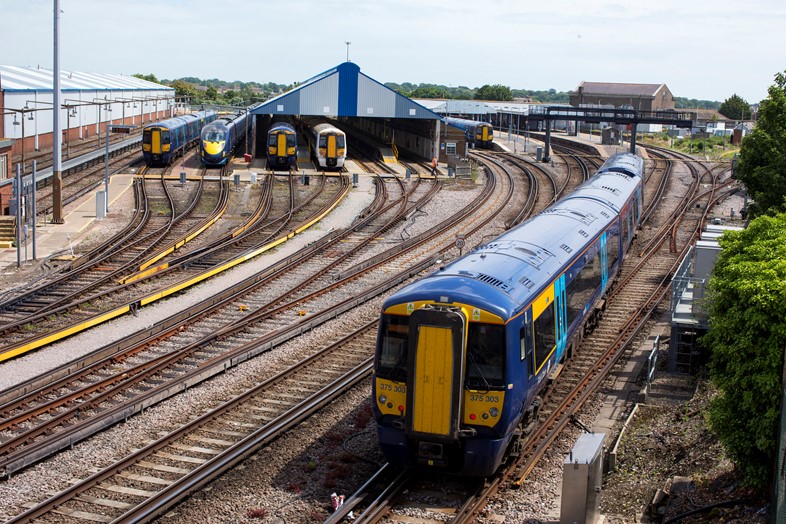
(562, 318)
(332, 147)
(281, 145)
(604, 261)
(436, 366)
(155, 141)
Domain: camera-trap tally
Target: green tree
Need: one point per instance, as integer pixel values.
(150, 78)
(429, 92)
(747, 337)
(762, 162)
(495, 92)
(735, 108)
(185, 89)
(211, 93)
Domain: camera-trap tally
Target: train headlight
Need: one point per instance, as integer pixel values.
(494, 412)
(383, 399)
(485, 416)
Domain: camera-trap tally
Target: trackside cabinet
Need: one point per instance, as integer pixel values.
(582, 476)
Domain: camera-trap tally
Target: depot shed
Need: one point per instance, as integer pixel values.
(361, 104)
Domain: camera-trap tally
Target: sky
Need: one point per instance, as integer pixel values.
(702, 49)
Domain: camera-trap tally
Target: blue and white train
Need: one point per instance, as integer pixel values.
(479, 134)
(281, 146)
(327, 143)
(219, 139)
(163, 141)
(463, 354)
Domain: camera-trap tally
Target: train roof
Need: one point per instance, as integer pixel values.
(506, 274)
(463, 123)
(281, 125)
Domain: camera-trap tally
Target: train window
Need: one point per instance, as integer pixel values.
(613, 245)
(545, 336)
(583, 286)
(291, 141)
(340, 141)
(322, 140)
(214, 135)
(526, 344)
(392, 350)
(147, 136)
(271, 139)
(165, 137)
(485, 357)
(626, 229)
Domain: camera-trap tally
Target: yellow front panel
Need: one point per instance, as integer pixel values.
(485, 406)
(396, 393)
(156, 138)
(281, 143)
(473, 313)
(433, 381)
(331, 146)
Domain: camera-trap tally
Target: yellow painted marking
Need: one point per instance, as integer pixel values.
(542, 302)
(408, 307)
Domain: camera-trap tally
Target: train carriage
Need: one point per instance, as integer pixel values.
(479, 134)
(163, 141)
(281, 146)
(463, 353)
(219, 140)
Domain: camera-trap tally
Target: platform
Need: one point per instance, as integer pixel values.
(59, 238)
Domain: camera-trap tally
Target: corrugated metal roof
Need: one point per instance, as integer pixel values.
(608, 88)
(15, 78)
(344, 91)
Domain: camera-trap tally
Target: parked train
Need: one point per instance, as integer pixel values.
(463, 354)
(479, 134)
(281, 146)
(165, 140)
(327, 144)
(220, 138)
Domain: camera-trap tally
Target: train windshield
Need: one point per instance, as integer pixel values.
(485, 357)
(340, 141)
(213, 135)
(165, 137)
(147, 136)
(392, 350)
(291, 141)
(272, 139)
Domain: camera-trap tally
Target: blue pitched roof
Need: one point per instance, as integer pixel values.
(345, 91)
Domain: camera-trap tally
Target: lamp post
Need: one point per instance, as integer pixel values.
(348, 44)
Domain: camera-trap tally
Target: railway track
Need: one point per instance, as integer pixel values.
(419, 244)
(149, 284)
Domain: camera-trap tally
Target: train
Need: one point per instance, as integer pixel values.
(165, 140)
(281, 146)
(220, 138)
(327, 144)
(463, 355)
(479, 134)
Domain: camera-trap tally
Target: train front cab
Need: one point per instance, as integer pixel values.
(484, 135)
(214, 145)
(159, 143)
(281, 148)
(331, 147)
(452, 417)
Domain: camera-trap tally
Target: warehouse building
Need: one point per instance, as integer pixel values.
(88, 102)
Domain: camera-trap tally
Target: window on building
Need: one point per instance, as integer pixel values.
(450, 148)
(3, 166)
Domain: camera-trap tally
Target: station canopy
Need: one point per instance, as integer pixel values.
(344, 91)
